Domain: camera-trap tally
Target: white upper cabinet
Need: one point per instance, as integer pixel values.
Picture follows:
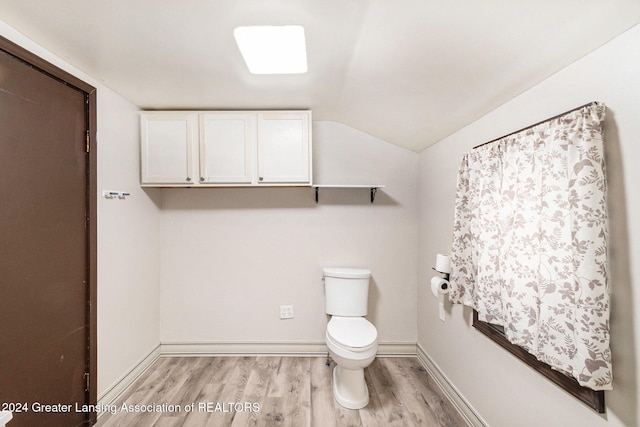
(283, 147)
(167, 148)
(227, 143)
(226, 148)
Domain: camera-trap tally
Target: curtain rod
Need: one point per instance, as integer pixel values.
(539, 123)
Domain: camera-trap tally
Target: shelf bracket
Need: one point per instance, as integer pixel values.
(374, 190)
(317, 195)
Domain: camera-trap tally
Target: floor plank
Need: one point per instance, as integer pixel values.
(387, 388)
(278, 391)
(321, 394)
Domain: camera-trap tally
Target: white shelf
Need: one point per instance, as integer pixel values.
(347, 186)
(373, 188)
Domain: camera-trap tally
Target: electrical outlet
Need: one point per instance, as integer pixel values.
(286, 312)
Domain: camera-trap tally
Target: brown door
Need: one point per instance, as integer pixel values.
(45, 236)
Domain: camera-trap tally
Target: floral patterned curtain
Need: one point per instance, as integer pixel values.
(530, 242)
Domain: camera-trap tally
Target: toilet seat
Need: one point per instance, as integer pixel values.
(355, 334)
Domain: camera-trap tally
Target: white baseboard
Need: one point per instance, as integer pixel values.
(458, 401)
(270, 348)
(118, 387)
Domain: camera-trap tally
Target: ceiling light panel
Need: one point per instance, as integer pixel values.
(273, 49)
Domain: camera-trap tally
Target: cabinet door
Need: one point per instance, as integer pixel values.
(284, 147)
(226, 148)
(167, 148)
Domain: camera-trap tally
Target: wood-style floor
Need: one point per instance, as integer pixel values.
(277, 391)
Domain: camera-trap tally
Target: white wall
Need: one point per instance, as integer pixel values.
(128, 246)
(231, 257)
(128, 234)
(503, 390)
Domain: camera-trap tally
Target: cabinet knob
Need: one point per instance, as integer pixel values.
(189, 178)
(261, 178)
(202, 179)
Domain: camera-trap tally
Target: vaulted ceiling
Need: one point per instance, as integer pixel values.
(410, 72)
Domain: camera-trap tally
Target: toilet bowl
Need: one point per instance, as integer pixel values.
(352, 343)
(351, 339)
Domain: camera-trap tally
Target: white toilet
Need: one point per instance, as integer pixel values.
(352, 339)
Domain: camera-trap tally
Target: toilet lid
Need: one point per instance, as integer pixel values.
(352, 331)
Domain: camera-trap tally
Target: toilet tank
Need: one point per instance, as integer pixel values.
(346, 291)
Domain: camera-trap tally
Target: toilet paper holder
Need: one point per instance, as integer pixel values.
(440, 283)
(445, 276)
(443, 267)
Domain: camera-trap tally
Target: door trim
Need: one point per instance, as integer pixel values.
(34, 61)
